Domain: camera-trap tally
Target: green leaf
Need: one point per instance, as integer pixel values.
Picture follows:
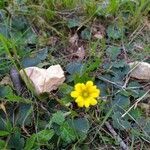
(16, 141)
(5, 91)
(4, 30)
(66, 100)
(121, 101)
(58, 117)
(119, 64)
(92, 65)
(113, 52)
(2, 144)
(19, 23)
(119, 122)
(65, 89)
(147, 127)
(81, 126)
(36, 59)
(115, 32)
(67, 133)
(24, 114)
(135, 113)
(81, 78)
(4, 133)
(86, 34)
(73, 23)
(30, 142)
(45, 135)
(74, 67)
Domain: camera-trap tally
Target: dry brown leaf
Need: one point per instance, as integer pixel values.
(2, 106)
(74, 39)
(80, 53)
(98, 30)
(44, 80)
(6, 81)
(98, 35)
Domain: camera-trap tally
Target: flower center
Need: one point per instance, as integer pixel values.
(85, 94)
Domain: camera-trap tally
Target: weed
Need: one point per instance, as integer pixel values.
(111, 34)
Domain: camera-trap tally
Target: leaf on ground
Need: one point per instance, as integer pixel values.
(19, 23)
(74, 39)
(74, 67)
(113, 52)
(16, 141)
(73, 23)
(36, 59)
(58, 117)
(81, 126)
(65, 89)
(119, 64)
(98, 30)
(121, 101)
(86, 34)
(6, 81)
(80, 53)
(45, 135)
(115, 32)
(119, 122)
(4, 133)
(24, 114)
(5, 91)
(3, 145)
(67, 133)
(30, 142)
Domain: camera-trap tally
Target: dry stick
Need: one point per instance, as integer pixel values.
(135, 34)
(135, 104)
(116, 136)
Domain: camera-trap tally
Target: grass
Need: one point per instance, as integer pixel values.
(38, 33)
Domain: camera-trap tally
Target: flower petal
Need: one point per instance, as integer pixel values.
(74, 94)
(89, 83)
(92, 88)
(87, 103)
(93, 101)
(95, 93)
(79, 99)
(80, 104)
(79, 87)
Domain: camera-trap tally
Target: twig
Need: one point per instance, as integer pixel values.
(135, 104)
(116, 136)
(106, 80)
(134, 35)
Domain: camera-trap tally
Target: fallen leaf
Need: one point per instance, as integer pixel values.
(44, 80)
(2, 106)
(80, 53)
(6, 81)
(98, 35)
(140, 70)
(98, 30)
(74, 39)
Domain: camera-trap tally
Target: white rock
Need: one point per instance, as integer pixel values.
(141, 70)
(44, 80)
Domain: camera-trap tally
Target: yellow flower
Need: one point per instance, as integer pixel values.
(85, 94)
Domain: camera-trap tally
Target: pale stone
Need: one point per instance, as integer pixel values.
(140, 70)
(44, 80)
